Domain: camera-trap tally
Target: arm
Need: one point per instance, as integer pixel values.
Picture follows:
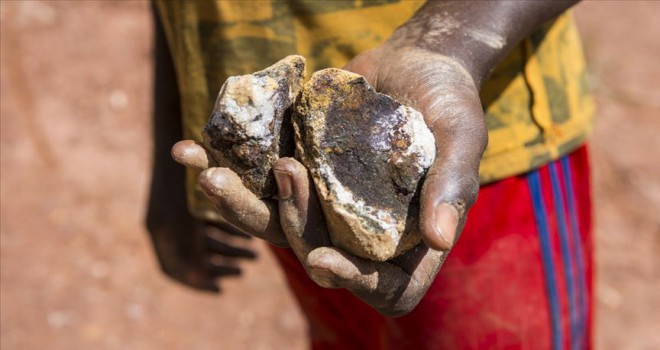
(475, 34)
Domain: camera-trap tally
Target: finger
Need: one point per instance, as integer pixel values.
(240, 207)
(422, 265)
(191, 154)
(301, 217)
(391, 289)
(332, 268)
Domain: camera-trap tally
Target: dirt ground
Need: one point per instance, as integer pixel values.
(77, 269)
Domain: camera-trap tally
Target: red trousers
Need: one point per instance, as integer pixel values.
(520, 276)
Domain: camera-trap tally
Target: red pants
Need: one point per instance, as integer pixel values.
(520, 276)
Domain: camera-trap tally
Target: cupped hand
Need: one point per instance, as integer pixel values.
(444, 92)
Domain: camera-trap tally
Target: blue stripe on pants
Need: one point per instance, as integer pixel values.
(577, 246)
(534, 181)
(567, 257)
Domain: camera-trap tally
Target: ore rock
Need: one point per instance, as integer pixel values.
(367, 154)
(250, 126)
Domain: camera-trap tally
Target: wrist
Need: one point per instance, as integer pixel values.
(475, 34)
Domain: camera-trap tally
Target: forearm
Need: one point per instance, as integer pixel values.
(477, 34)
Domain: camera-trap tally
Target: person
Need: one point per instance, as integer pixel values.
(502, 85)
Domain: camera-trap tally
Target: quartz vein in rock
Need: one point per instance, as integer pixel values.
(367, 154)
(248, 128)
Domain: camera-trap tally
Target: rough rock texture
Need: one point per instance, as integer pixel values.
(367, 154)
(249, 128)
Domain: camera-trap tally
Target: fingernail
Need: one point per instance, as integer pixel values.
(283, 184)
(446, 222)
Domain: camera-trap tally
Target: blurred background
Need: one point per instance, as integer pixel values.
(77, 267)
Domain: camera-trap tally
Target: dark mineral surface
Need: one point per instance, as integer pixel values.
(249, 128)
(367, 154)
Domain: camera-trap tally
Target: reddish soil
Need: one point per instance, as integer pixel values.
(78, 271)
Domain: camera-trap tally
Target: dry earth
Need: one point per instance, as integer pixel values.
(77, 270)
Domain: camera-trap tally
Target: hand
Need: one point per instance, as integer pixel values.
(445, 94)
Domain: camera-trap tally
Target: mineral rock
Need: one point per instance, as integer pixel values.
(367, 154)
(249, 128)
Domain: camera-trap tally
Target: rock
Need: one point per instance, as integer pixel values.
(367, 154)
(250, 126)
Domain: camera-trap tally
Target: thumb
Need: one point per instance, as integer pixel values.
(450, 188)
(444, 205)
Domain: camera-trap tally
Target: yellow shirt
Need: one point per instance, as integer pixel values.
(537, 102)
